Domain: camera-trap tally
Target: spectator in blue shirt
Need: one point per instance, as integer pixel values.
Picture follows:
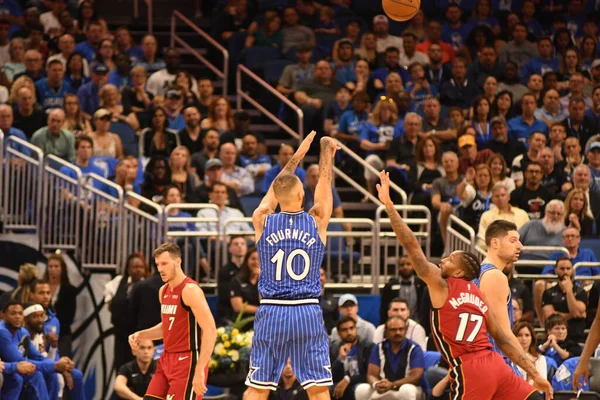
(254, 160)
(84, 147)
(6, 121)
(455, 31)
(544, 62)
(173, 107)
(12, 12)
(519, 128)
(419, 88)
(285, 154)
(396, 364)
(120, 75)
(51, 91)
(343, 68)
(391, 61)
(88, 94)
(126, 45)
(88, 48)
(571, 240)
(334, 112)
(172, 195)
(148, 59)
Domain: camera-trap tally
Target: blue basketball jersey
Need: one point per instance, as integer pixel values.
(477, 281)
(291, 252)
(49, 97)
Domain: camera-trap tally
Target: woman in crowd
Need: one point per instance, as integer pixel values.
(490, 88)
(137, 98)
(426, 170)
(74, 120)
(269, 35)
(157, 139)
(110, 99)
(220, 116)
(562, 42)
(570, 63)
(183, 80)
(18, 84)
(244, 287)
(588, 48)
(116, 294)
(16, 64)
(475, 196)
(502, 105)
(526, 335)
(362, 72)
(28, 273)
(577, 214)
(86, 14)
(157, 176)
(74, 73)
(481, 120)
(368, 50)
(106, 54)
(62, 301)
(479, 37)
(106, 144)
(181, 175)
(498, 168)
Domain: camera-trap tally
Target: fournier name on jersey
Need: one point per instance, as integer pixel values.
(469, 298)
(294, 234)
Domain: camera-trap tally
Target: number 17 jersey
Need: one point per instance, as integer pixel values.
(459, 327)
(290, 252)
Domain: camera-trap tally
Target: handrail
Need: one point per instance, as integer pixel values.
(136, 12)
(2, 205)
(223, 74)
(356, 186)
(370, 168)
(545, 248)
(466, 227)
(241, 94)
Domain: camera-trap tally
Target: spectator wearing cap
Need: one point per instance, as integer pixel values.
(295, 34)
(51, 91)
(159, 82)
(234, 176)
(283, 157)
(381, 28)
(410, 54)
(106, 144)
(89, 93)
(89, 47)
(509, 149)
(536, 142)
(470, 157)
(213, 172)
(296, 75)
(521, 127)
(458, 91)
(544, 62)
(348, 307)
(391, 58)
(577, 124)
(53, 139)
(343, 68)
(34, 66)
(487, 64)
(593, 156)
(173, 107)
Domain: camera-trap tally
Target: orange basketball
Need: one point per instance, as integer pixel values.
(401, 10)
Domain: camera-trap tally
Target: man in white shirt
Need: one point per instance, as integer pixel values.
(50, 19)
(348, 307)
(161, 79)
(381, 28)
(4, 43)
(410, 54)
(66, 46)
(414, 331)
(218, 196)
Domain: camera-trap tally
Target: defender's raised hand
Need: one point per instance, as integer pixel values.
(305, 145)
(383, 189)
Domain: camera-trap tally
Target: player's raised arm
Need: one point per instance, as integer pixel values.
(592, 342)
(510, 346)
(269, 202)
(428, 272)
(194, 298)
(323, 194)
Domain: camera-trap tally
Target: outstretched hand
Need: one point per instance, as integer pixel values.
(383, 189)
(331, 143)
(305, 145)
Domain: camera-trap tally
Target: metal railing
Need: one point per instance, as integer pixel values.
(578, 265)
(369, 168)
(136, 12)
(456, 240)
(1, 173)
(22, 186)
(143, 230)
(387, 242)
(63, 202)
(241, 94)
(103, 223)
(221, 73)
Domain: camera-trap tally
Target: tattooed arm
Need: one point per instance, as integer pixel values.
(323, 194)
(269, 202)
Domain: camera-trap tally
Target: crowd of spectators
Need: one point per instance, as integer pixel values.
(487, 110)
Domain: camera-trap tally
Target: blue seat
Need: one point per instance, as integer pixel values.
(236, 46)
(273, 70)
(337, 246)
(256, 57)
(325, 42)
(131, 149)
(592, 244)
(432, 358)
(249, 204)
(125, 132)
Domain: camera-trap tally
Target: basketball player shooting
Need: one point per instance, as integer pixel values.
(291, 245)
(460, 320)
(187, 328)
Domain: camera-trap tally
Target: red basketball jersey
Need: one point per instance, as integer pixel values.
(181, 332)
(459, 326)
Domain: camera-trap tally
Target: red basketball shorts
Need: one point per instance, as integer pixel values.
(487, 377)
(173, 377)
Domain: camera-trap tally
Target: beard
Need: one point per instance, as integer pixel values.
(553, 227)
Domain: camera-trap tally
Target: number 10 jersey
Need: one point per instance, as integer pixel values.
(291, 252)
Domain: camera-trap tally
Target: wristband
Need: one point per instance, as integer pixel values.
(374, 385)
(347, 378)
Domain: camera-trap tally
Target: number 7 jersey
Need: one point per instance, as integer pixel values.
(291, 252)
(459, 327)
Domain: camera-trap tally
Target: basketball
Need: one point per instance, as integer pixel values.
(401, 10)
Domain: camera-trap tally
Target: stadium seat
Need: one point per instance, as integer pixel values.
(338, 247)
(325, 42)
(249, 204)
(256, 57)
(131, 149)
(236, 45)
(592, 244)
(125, 132)
(432, 358)
(273, 70)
